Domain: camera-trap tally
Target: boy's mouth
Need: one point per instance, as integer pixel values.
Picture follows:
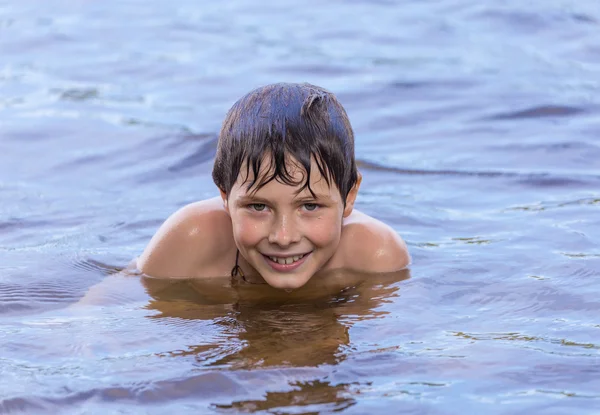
(288, 263)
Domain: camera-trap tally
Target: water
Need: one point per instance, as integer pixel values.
(477, 134)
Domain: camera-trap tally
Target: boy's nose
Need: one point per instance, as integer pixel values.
(284, 232)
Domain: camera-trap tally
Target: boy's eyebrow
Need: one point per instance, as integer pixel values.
(251, 197)
(311, 197)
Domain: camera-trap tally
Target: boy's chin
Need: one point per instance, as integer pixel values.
(286, 282)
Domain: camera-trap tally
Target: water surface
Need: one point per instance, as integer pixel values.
(477, 135)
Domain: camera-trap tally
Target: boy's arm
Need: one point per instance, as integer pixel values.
(187, 241)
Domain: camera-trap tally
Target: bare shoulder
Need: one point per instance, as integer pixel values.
(372, 246)
(189, 239)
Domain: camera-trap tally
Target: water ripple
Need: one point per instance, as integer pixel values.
(549, 179)
(476, 132)
(538, 112)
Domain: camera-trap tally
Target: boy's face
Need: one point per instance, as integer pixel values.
(284, 235)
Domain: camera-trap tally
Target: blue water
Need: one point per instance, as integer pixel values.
(477, 133)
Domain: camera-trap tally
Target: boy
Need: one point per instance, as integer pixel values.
(287, 178)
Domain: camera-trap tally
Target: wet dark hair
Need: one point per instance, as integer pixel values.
(287, 123)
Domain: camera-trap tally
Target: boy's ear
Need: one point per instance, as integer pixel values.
(225, 203)
(352, 196)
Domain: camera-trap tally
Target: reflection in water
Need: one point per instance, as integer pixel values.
(262, 327)
(235, 347)
(331, 398)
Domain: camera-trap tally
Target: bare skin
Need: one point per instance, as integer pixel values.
(268, 226)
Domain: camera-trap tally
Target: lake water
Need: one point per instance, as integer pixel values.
(478, 135)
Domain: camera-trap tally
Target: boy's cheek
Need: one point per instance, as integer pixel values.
(248, 232)
(325, 229)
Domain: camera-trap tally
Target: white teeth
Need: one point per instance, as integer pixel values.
(286, 261)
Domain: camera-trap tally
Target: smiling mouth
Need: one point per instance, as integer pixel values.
(286, 260)
(287, 264)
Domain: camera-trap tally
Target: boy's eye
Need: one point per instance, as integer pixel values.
(310, 206)
(259, 207)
